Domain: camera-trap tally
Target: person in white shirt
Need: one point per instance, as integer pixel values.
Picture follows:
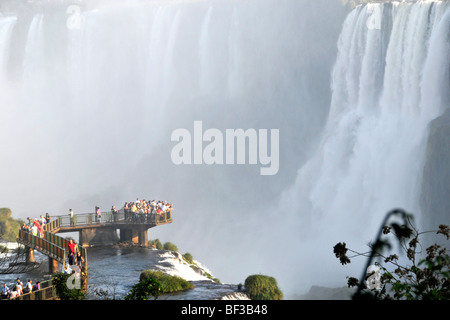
(14, 293)
(28, 287)
(67, 269)
(34, 230)
(5, 291)
(19, 287)
(153, 207)
(71, 217)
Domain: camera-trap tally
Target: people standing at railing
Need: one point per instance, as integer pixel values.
(18, 288)
(142, 211)
(126, 211)
(41, 230)
(139, 211)
(71, 258)
(153, 207)
(141, 214)
(5, 291)
(71, 245)
(158, 211)
(15, 292)
(114, 213)
(71, 217)
(28, 287)
(47, 218)
(147, 213)
(34, 230)
(79, 259)
(26, 227)
(76, 248)
(67, 269)
(133, 212)
(98, 214)
(74, 256)
(37, 286)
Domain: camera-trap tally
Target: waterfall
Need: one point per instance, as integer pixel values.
(386, 88)
(6, 27)
(92, 90)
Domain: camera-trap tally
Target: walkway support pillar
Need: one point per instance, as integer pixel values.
(143, 237)
(137, 235)
(97, 236)
(29, 255)
(125, 235)
(52, 265)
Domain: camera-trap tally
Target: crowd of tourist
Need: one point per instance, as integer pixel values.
(143, 210)
(74, 265)
(74, 256)
(134, 211)
(18, 289)
(75, 261)
(139, 211)
(36, 226)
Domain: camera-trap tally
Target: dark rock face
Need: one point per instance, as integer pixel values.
(435, 195)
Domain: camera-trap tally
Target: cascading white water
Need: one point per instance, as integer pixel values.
(6, 26)
(386, 89)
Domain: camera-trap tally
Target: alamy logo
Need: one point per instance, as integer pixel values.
(73, 21)
(74, 281)
(374, 21)
(228, 148)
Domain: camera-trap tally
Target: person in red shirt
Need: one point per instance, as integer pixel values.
(71, 246)
(41, 230)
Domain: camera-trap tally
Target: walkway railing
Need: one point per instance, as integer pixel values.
(52, 225)
(46, 292)
(54, 247)
(89, 219)
(50, 244)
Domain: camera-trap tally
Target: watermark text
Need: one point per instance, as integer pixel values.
(235, 146)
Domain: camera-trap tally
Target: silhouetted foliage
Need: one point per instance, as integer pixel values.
(424, 279)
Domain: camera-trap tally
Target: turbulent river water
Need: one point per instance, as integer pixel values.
(120, 268)
(114, 270)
